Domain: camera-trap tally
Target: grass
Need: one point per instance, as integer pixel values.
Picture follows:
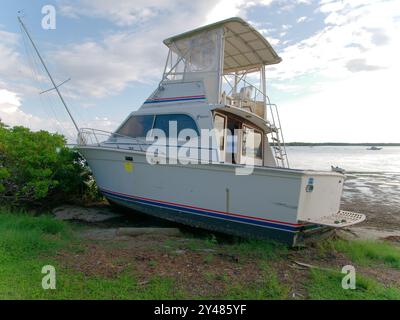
(269, 288)
(24, 237)
(366, 252)
(27, 243)
(245, 248)
(327, 285)
(262, 249)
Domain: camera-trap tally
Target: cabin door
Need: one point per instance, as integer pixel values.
(232, 140)
(252, 145)
(220, 128)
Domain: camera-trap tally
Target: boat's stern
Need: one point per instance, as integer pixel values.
(319, 201)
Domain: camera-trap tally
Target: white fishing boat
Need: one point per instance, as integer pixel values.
(236, 180)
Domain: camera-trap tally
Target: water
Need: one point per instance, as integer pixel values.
(372, 184)
(350, 158)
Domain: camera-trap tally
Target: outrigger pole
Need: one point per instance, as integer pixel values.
(48, 73)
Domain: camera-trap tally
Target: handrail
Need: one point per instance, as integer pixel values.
(276, 134)
(106, 133)
(252, 85)
(136, 141)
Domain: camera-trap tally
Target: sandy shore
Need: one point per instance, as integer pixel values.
(377, 195)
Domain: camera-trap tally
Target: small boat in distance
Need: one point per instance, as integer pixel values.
(206, 148)
(374, 148)
(338, 169)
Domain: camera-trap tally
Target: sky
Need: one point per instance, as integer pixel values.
(338, 80)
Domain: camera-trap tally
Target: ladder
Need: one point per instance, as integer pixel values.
(278, 142)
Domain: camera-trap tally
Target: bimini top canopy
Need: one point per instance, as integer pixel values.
(244, 47)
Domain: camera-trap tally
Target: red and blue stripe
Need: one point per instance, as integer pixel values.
(175, 99)
(267, 223)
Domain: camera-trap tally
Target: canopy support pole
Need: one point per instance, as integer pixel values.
(264, 91)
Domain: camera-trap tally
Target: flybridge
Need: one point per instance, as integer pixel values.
(228, 49)
(222, 66)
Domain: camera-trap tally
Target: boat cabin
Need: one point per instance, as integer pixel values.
(214, 78)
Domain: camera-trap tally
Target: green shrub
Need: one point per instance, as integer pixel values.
(35, 166)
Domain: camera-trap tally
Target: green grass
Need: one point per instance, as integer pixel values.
(244, 248)
(24, 237)
(269, 288)
(327, 285)
(366, 252)
(125, 286)
(28, 243)
(261, 249)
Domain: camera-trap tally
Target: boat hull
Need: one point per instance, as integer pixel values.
(264, 204)
(289, 237)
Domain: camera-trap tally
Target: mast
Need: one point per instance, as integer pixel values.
(48, 73)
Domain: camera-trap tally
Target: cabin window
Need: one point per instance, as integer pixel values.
(252, 143)
(183, 121)
(137, 126)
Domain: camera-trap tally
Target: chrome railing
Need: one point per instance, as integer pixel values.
(271, 116)
(105, 139)
(90, 136)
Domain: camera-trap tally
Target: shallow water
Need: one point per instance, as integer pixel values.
(372, 182)
(350, 158)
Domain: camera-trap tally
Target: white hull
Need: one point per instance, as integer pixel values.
(271, 199)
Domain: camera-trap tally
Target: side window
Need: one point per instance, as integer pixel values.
(183, 122)
(137, 126)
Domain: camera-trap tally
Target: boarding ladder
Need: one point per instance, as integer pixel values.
(278, 142)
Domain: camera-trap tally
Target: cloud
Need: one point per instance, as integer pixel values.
(15, 73)
(289, 5)
(10, 59)
(378, 36)
(11, 114)
(128, 13)
(354, 33)
(357, 65)
(9, 98)
(301, 19)
(342, 73)
(107, 66)
(356, 109)
(120, 12)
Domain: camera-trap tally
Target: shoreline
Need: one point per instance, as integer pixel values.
(341, 144)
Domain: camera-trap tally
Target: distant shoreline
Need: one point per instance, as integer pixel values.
(365, 144)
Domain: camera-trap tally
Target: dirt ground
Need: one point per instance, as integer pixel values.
(377, 195)
(204, 272)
